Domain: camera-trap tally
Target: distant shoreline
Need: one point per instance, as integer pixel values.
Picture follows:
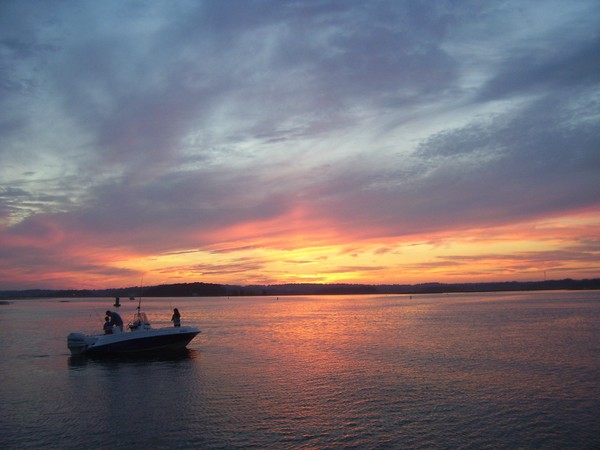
(199, 289)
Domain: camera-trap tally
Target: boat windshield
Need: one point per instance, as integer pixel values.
(140, 320)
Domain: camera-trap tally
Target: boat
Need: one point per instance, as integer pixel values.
(140, 337)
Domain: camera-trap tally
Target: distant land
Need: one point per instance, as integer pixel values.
(200, 289)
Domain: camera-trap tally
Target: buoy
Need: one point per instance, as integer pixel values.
(117, 302)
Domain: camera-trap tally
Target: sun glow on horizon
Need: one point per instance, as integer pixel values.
(528, 251)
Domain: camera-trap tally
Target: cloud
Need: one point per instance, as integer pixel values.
(156, 129)
(572, 65)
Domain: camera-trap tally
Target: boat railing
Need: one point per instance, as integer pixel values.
(140, 322)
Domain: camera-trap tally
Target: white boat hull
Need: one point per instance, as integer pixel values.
(143, 340)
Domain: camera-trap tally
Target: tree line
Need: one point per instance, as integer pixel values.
(200, 289)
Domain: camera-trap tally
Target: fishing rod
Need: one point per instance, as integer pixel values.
(141, 292)
(96, 312)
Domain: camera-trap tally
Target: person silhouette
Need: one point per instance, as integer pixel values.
(115, 319)
(108, 326)
(176, 319)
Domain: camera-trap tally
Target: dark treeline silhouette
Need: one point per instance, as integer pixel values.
(222, 290)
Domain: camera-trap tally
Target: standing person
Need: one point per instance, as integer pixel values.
(176, 319)
(115, 319)
(107, 326)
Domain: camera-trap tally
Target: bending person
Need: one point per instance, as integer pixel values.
(115, 319)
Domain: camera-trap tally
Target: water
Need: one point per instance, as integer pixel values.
(502, 370)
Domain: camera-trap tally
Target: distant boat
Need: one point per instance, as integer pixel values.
(140, 338)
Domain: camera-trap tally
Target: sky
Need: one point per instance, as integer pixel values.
(267, 142)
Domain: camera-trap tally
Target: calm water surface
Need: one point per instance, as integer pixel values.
(502, 370)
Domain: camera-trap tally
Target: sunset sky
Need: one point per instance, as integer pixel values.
(266, 142)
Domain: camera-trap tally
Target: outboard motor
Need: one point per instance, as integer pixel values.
(76, 343)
